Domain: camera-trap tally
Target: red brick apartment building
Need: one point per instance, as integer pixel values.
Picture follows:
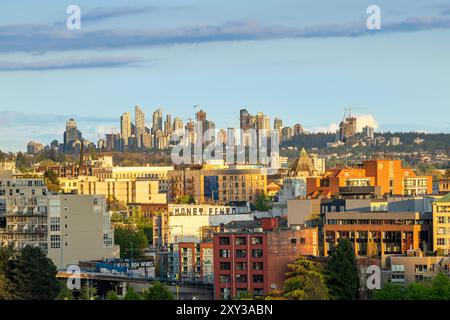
(253, 260)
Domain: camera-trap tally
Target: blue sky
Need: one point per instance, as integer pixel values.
(303, 61)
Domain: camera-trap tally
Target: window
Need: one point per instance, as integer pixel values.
(293, 241)
(441, 241)
(224, 253)
(225, 266)
(257, 240)
(441, 219)
(241, 253)
(107, 240)
(55, 224)
(241, 266)
(258, 278)
(224, 241)
(241, 278)
(241, 241)
(257, 253)
(55, 241)
(257, 266)
(224, 278)
(421, 268)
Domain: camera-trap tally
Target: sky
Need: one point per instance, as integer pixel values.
(302, 61)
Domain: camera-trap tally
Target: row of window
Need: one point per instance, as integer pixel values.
(242, 266)
(240, 241)
(241, 278)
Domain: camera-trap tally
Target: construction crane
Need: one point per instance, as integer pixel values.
(348, 112)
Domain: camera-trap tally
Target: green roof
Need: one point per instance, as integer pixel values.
(444, 198)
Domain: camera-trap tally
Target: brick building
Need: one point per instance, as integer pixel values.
(253, 259)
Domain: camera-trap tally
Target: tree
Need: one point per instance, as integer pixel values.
(115, 205)
(390, 291)
(33, 275)
(132, 295)
(436, 289)
(88, 293)
(112, 295)
(132, 242)
(6, 254)
(263, 202)
(305, 281)
(158, 291)
(65, 293)
(51, 180)
(440, 287)
(186, 199)
(342, 273)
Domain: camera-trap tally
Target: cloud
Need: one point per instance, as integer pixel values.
(366, 120)
(332, 128)
(362, 121)
(99, 14)
(46, 127)
(33, 38)
(69, 63)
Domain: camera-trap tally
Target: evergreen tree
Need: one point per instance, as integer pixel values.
(342, 273)
(305, 281)
(33, 275)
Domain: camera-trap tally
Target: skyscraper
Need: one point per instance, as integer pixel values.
(71, 135)
(201, 120)
(178, 124)
(298, 129)
(139, 122)
(157, 123)
(168, 125)
(278, 124)
(125, 128)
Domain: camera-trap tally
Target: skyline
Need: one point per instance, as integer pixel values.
(306, 61)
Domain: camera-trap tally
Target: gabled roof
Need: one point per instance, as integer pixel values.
(303, 163)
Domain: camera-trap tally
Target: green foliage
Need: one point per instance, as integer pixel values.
(65, 293)
(115, 205)
(31, 275)
(390, 291)
(112, 295)
(23, 162)
(436, 289)
(51, 180)
(89, 293)
(186, 199)
(342, 273)
(305, 281)
(132, 242)
(263, 202)
(132, 295)
(158, 291)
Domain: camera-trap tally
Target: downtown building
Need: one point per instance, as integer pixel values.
(68, 228)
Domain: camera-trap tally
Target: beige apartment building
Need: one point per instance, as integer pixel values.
(69, 228)
(211, 185)
(414, 267)
(126, 184)
(125, 190)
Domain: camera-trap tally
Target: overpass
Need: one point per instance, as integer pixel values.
(105, 282)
